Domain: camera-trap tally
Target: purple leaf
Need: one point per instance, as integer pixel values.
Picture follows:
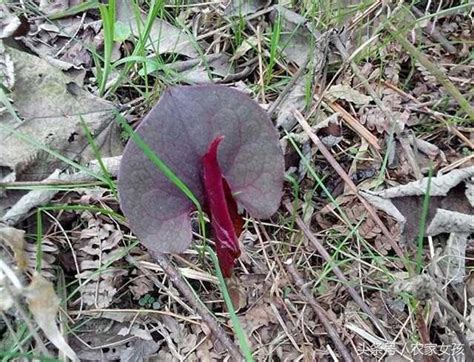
(180, 129)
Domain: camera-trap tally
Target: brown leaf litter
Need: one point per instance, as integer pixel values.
(381, 121)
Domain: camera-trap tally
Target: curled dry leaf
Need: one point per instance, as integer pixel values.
(163, 38)
(394, 115)
(49, 251)
(452, 261)
(44, 304)
(294, 100)
(450, 208)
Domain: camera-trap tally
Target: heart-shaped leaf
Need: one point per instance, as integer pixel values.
(180, 129)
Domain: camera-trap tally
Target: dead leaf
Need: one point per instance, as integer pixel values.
(49, 252)
(7, 75)
(15, 239)
(452, 260)
(99, 332)
(296, 99)
(50, 7)
(136, 331)
(297, 96)
(207, 351)
(429, 149)
(295, 36)
(140, 350)
(346, 92)
(98, 245)
(199, 71)
(44, 305)
(247, 44)
(244, 7)
(237, 293)
(51, 116)
(9, 23)
(39, 197)
(256, 317)
(163, 38)
(6, 300)
(422, 286)
(141, 285)
(329, 130)
(450, 209)
(183, 339)
(394, 114)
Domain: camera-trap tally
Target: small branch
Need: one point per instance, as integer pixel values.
(325, 255)
(198, 306)
(320, 312)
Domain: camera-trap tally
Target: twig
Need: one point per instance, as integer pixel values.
(355, 125)
(453, 310)
(200, 308)
(337, 271)
(320, 312)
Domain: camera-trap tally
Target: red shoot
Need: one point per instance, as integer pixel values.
(223, 210)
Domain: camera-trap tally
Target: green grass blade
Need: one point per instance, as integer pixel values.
(241, 336)
(424, 216)
(163, 167)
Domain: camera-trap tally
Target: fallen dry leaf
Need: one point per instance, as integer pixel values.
(15, 239)
(7, 75)
(346, 92)
(244, 7)
(295, 36)
(98, 245)
(294, 100)
(51, 116)
(450, 209)
(44, 304)
(6, 300)
(9, 23)
(450, 265)
(256, 317)
(139, 351)
(39, 197)
(164, 37)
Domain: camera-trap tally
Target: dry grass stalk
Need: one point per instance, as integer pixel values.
(320, 312)
(338, 272)
(340, 171)
(206, 316)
